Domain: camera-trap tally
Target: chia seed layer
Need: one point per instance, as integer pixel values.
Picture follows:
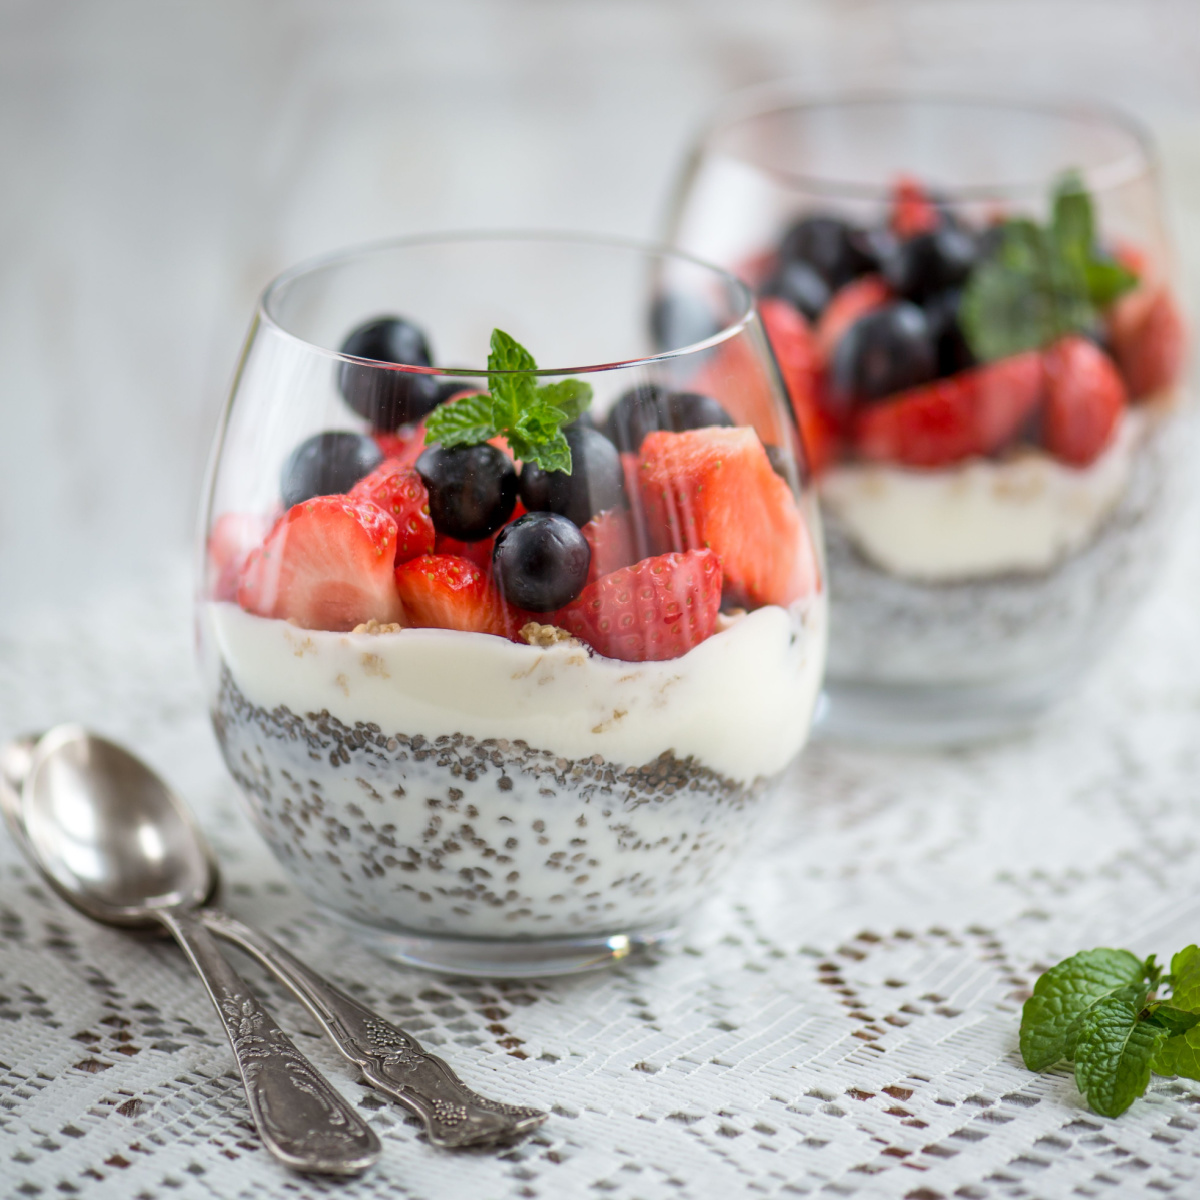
(889, 630)
(490, 838)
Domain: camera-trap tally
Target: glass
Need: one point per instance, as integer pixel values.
(994, 409)
(527, 743)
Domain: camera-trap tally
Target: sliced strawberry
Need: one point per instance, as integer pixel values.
(1085, 397)
(232, 538)
(799, 360)
(443, 591)
(912, 210)
(327, 564)
(610, 535)
(1149, 340)
(715, 489)
(398, 490)
(656, 609)
(975, 412)
(404, 446)
(851, 301)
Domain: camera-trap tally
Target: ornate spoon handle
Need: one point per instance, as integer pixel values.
(390, 1059)
(300, 1118)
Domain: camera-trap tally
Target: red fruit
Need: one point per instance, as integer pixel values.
(398, 490)
(715, 489)
(1149, 340)
(800, 360)
(855, 299)
(1085, 397)
(610, 535)
(912, 210)
(327, 564)
(232, 538)
(975, 412)
(480, 553)
(403, 447)
(659, 608)
(443, 591)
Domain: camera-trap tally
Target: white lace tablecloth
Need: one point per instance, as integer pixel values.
(844, 1025)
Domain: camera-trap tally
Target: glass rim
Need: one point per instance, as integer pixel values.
(782, 95)
(746, 306)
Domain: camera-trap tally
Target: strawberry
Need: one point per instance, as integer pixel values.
(404, 446)
(715, 489)
(443, 591)
(1085, 397)
(398, 490)
(232, 538)
(326, 564)
(610, 535)
(656, 609)
(855, 299)
(975, 412)
(912, 210)
(1149, 340)
(799, 360)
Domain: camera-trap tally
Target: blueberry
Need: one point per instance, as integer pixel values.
(540, 562)
(801, 285)
(327, 464)
(873, 246)
(472, 489)
(388, 399)
(930, 262)
(633, 416)
(596, 481)
(883, 352)
(679, 411)
(680, 319)
(950, 344)
(826, 244)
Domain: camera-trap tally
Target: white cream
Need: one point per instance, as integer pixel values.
(740, 702)
(982, 517)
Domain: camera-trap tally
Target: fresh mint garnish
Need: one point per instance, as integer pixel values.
(1041, 282)
(1100, 1008)
(528, 415)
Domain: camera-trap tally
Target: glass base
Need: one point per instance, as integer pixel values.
(495, 959)
(934, 715)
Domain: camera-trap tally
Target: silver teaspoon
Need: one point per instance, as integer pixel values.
(122, 849)
(390, 1059)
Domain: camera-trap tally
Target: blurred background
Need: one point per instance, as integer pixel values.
(163, 161)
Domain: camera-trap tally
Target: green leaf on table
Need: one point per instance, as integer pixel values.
(1051, 1017)
(1180, 1054)
(1175, 1021)
(1113, 1053)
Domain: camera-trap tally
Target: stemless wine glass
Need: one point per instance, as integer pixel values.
(497, 741)
(972, 307)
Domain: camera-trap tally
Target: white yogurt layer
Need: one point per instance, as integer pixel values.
(981, 517)
(740, 702)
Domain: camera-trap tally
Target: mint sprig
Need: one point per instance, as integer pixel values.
(1041, 282)
(528, 415)
(1101, 1009)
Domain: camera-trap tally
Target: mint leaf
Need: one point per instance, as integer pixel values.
(466, 422)
(1180, 1054)
(1071, 222)
(1052, 1016)
(1106, 280)
(1114, 1053)
(1185, 978)
(571, 397)
(1175, 1021)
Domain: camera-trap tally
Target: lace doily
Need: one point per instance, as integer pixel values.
(843, 1024)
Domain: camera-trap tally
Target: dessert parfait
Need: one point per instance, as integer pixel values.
(988, 384)
(505, 660)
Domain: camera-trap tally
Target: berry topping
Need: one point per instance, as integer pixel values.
(610, 535)
(801, 285)
(388, 398)
(826, 244)
(327, 564)
(886, 351)
(849, 303)
(595, 483)
(1085, 397)
(680, 411)
(232, 538)
(441, 591)
(541, 561)
(404, 446)
(634, 415)
(398, 490)
(930, 262)
(472, 489)
(973, 413)
(913, 212)
(1149, 341)
(715, 489)
(657, 609)
(327, 464)
(953, 352)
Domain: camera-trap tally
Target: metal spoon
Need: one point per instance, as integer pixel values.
(390, 1059)
(120, 848)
